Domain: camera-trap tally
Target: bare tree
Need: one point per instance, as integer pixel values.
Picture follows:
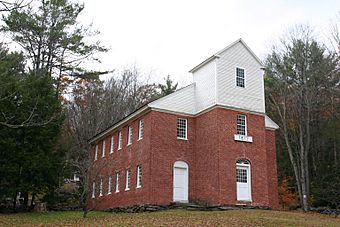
(94, 107)
(298, 75)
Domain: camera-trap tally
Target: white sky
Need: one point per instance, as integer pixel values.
(171, 36)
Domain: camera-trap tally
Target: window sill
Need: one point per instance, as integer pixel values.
(127, 189)
(139, 139)
(116, 191)
(179, 138)
(119, 149)
(111, 152)
(93, 197)
(128, 144)
(139, 187)
(100, 195)
(109, 193)
(243, 138)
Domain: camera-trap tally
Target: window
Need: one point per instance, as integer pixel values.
(96, 153)
(103, 149)
(241, 125)
(120, 140)
(141, 129)
(112, 144)
(130, 135)
(117, 182)
(241, 175)
(139, 176)
(182, 128)
(93, 189)
(128, 180)
(109, 190)
(240, 77)
(101, 187)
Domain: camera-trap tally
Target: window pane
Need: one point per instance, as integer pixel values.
(141, 129)
(241, 125)
(239, 77)
(182, 128)
(241, 175)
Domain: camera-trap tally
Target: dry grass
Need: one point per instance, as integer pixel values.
(176, 217)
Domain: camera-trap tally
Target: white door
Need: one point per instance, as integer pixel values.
(243, 183)
(180, 192)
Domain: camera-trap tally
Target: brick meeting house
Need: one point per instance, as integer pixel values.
(210, 142)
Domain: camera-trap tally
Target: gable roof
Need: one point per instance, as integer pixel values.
(217, 55)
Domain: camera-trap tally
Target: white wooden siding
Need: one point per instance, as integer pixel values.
(205, 89)
(182, 101)
(252, 96)
(215, 84)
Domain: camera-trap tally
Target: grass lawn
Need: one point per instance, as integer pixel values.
(177, 217)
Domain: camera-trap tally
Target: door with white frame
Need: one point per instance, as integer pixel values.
(180, 182)
(243, 180)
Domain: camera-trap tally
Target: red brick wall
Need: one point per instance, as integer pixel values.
(210, 152)
(218, 178)
(165, 150)
(138, 153)
(272, 169)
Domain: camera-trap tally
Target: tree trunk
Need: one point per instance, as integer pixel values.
(32, 201)
(14, 206)
(25, 205)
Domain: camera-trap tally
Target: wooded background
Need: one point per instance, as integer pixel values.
(51, 104)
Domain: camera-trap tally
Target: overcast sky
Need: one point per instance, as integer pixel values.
(171, 37)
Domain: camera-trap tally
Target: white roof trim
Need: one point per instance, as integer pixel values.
(270, 124)
(206, 61)
(120, 123)
(217, 55)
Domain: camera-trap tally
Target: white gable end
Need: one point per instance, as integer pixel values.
(250, 97)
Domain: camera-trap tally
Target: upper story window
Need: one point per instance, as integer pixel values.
(241, 125)
(139, 176)
(93, 189)
(117, 182)
(129, 135)
(101, 187)
(96, 153)
(128, 180)
(240, 77)
(120, 140)
(141, 129)
(109, 190)
(182, 128)
(112, 144)
(103, 149)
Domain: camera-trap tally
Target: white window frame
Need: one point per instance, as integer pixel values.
(112, 144)
(245, 124)
(117, 181)
(141, 129)
(129, 135)
(186, 128)
(101, 187)
(96, 153)
(120, 140)
(128, 180)
(244, 76)
(93, 189)
(139, 176)
(109, 190)
(103, 148)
